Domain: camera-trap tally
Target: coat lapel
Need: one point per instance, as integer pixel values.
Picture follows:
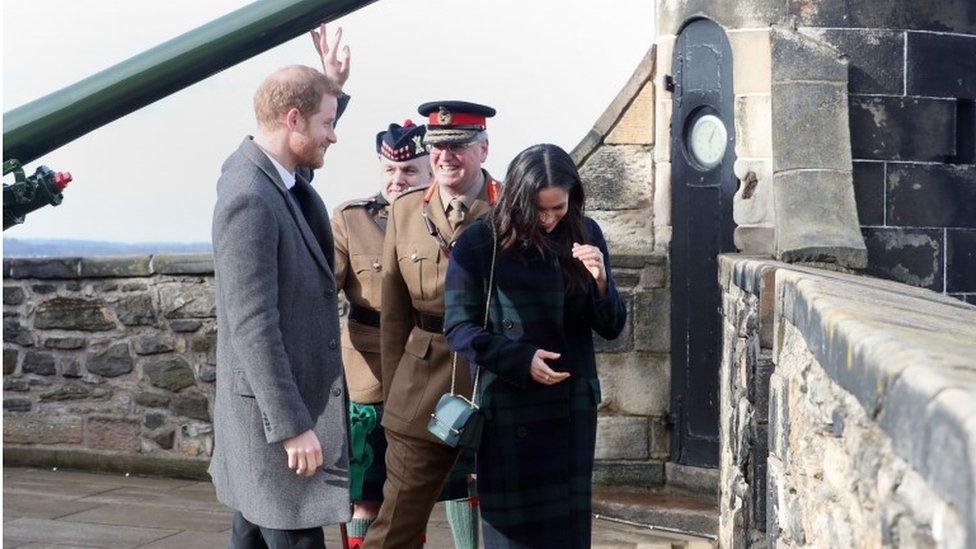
(437, 215)
(261, 160)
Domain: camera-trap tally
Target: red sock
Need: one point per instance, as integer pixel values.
(355, 542)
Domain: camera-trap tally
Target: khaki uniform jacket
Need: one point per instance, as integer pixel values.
(359, 271)
(417, 363)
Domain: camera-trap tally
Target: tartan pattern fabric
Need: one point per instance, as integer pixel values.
(535, 463)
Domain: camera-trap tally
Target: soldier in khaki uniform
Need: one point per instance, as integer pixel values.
(416, 360)
(359, 227)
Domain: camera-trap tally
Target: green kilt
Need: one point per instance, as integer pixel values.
(367, 464)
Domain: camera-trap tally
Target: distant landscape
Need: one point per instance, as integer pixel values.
(57, 247)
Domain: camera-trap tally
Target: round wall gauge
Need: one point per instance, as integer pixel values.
(707, 140)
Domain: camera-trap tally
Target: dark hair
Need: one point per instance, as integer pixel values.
(515, 218)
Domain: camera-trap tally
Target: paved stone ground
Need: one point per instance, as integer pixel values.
(61, 509)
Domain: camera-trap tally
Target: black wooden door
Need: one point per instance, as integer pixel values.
(701, 215)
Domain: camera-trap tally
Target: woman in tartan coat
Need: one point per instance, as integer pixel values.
(538, 389)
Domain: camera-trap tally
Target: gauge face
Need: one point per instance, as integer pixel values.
(707, 140)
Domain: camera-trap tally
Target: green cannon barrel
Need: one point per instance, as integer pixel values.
(45, 124)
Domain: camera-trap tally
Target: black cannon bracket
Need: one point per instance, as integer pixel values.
(27, 194)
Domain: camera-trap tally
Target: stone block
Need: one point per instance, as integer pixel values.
(752, 203)
(662, 129)
(653, 277)
(111, 362)
(618, 177)
(662, 64)
(15, 332)
(636, 126)
(621, 437)
(626, 231)
(817, 218)
(70, 313)
(910, 256)
(876, 58)
(960, 260)
(177, 264)
(151, 400)
(652, 321)
(153, 344)
(737, 15)
(931, 195)
(648, 474)
(70, 367)
(902, 128)
(17, 404)
(73, 391)
(13, 295)
(10, 357)
(62, 267)
(207, 374)
(948, 15)
(799, 57)
(42, 429)
(16, 384)
(154, 419)
(659, 444)
(44, 289)
(753, 126)
(187, 301)
(164, 438)
(36, 362)
(136, 310)
(115, 266)
(65, 343)
(635, 383)
(751, 61)
(190, 404)
(184, 326)
(940, 65)
(662, 193)
(811, 130)
(623, 342)
(755, 239)
(869, 192)
(172, 374)
(113, 433)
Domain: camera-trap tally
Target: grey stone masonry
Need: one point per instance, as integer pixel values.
(853, 424)
(112, 360)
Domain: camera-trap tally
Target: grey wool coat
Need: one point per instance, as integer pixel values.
(279, 367)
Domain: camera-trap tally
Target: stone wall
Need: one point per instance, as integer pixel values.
(110, 358)
(616, 163)
(109, 363)
(846, 411)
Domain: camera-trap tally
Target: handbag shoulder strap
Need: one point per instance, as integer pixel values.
(484, 324)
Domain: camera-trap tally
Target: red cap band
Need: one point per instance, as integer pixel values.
(447, 118)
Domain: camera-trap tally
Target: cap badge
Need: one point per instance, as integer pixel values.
(418, 144)
(444, 116)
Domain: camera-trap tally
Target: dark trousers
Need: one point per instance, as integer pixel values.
(247, 535)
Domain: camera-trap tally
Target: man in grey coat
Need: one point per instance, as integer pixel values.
(281, 450)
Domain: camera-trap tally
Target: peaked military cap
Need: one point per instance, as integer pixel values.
(454, 121)
(399, 143)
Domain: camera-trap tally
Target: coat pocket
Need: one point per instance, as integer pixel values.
(241, 385)
(368, 269)
(411, 377)
(419, 268)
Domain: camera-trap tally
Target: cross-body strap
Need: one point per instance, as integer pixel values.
(491, 284)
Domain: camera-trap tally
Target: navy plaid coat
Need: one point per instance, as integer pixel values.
(535, 462)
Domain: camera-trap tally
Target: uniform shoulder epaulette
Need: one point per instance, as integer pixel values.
(411, 191)
(354, 203)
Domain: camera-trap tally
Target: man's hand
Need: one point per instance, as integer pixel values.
(304, 453)
(541, 372)
(334, 66)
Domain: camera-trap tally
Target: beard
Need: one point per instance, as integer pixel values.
(310, 154)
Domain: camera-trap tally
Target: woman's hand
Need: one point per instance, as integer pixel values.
(592, 259)
(335, 67)
(541, 372)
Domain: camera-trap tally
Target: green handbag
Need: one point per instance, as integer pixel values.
(457, 421)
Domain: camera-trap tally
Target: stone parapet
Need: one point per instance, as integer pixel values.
(856, 393)
(110, 363)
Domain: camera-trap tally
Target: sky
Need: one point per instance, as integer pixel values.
(550, 68)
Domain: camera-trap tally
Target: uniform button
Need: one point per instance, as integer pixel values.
(508, 324)
(332, 344)
(521, 431)
(415, 257)
(336, 392)
(377, 266)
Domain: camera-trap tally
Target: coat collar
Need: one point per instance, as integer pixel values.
(479, 208)
(254, 153)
